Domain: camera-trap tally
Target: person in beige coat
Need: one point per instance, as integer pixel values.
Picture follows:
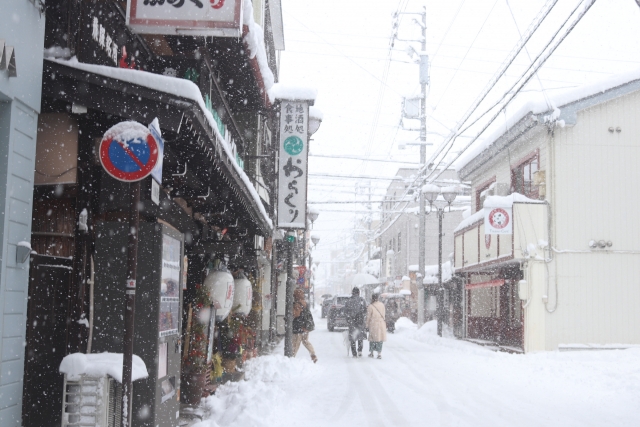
(377, 326)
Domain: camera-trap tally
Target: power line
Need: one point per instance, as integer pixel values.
(364, 159)
(328, 175)
(535, 67)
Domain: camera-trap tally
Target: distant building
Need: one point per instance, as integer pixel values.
(399, 239)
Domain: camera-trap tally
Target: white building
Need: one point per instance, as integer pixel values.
(577, 248)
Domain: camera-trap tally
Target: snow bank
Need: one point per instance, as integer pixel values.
(251, 402)
(100, 364)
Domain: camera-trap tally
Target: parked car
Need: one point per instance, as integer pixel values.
(326, 303)
(396, 306)
(336, 316)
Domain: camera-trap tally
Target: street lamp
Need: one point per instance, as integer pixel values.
(449, 194)
(315, 239)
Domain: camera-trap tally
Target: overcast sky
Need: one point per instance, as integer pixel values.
(343, 49)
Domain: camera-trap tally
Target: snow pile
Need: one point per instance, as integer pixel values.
(251, 402)
(294, 93)
(127, 132)
(431, 273)
(255, 42)
(57, 52)
(316, 113)
(99, 365)
(179, 87)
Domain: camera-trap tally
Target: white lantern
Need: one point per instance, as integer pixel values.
(220, 285)
(242, 295)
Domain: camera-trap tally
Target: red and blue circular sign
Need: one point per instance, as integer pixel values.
(128, 151)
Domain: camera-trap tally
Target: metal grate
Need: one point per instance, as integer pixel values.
(92, 402)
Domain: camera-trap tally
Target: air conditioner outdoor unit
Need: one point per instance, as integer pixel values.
(92, 402)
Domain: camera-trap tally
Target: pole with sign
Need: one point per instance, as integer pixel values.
(292, 189)
(129, 152)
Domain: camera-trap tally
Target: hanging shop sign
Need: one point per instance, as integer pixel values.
(292, 168)
(498, 220)
(217, 18)
(129, 152)
(106, 40)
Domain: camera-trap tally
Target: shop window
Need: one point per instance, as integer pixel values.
(485, 302)
(522, 177)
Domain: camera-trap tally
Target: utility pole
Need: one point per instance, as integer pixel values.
(288, 314)
(424, 81)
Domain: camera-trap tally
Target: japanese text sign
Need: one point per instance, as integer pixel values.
(218, 18)
(292, 168)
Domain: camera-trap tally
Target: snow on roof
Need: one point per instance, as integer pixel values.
(431, 273)
(292, 92)
(255, 41)
(536, 103)
(495, 202)
(99, 365)
(507, 201)
(176, 86)
(405, 278)
(413, 267)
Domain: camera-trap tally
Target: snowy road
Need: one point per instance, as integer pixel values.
(424, 380)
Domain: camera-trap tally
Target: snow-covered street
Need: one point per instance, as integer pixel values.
(426, 380)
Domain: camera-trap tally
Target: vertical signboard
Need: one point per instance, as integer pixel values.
(217, 18)
(292, 168)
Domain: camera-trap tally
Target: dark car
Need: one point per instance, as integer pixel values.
(326, 303)
(336, 315)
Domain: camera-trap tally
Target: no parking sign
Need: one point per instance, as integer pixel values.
(129, 152)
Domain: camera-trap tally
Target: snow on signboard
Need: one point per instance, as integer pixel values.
(217, 18)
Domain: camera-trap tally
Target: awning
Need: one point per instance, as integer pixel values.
(141, 96)
(489, 284)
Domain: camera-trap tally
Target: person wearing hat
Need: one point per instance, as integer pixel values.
(356, 311)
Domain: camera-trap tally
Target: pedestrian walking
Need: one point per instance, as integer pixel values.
(376, 324)
(356, 310)
(302, 324)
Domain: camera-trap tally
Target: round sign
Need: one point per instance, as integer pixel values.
(293, 145)
(498, 218)
(128, 151)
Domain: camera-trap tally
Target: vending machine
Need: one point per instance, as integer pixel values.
(158, 313)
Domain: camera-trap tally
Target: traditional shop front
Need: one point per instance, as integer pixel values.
(200, 214)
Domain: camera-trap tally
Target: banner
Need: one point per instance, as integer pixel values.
(292, 167)
(498, 220)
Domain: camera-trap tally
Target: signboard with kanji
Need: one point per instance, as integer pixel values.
(292, 168)
(217, 18)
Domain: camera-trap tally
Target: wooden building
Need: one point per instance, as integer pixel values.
(216, 192)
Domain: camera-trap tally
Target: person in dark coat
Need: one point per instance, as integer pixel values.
(356, 312)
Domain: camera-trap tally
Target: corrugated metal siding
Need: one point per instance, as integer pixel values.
(17, 204)
(594, 197)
